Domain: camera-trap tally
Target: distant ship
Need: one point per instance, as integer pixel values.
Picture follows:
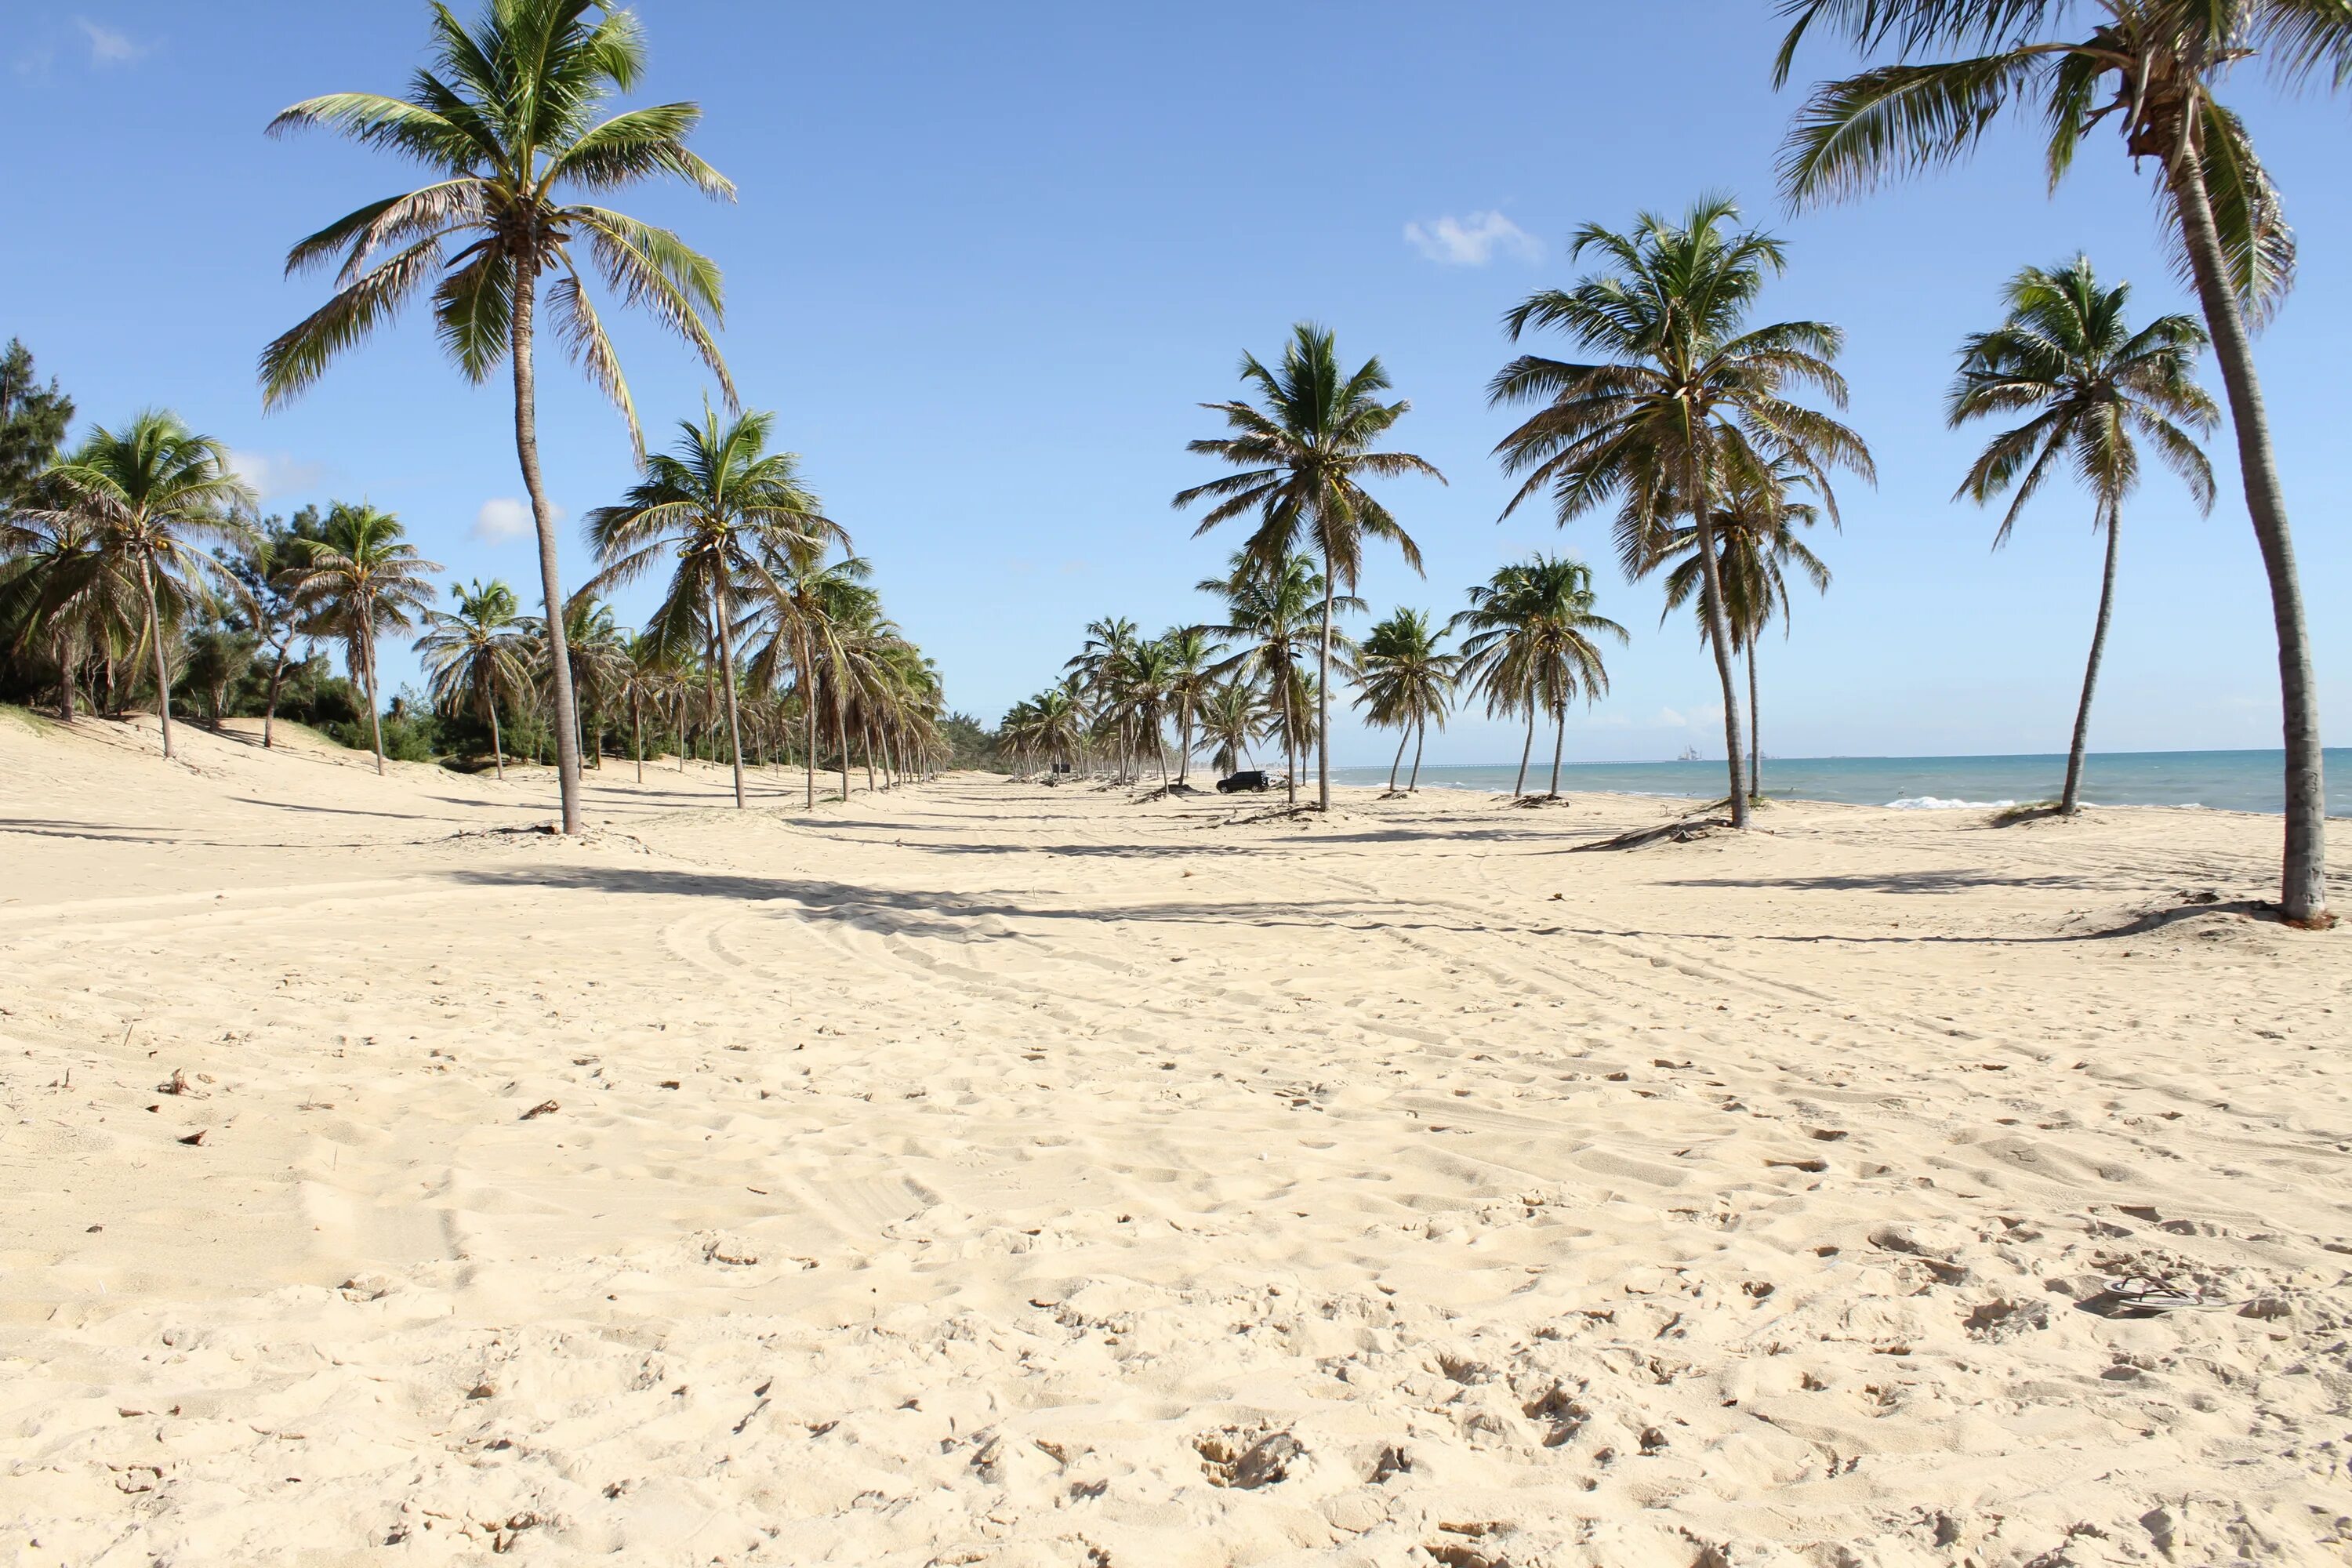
(1690, 754)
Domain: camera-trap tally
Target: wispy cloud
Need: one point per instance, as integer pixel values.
(276, 474)
(504, 519)
(1473, 240)
(110, 46)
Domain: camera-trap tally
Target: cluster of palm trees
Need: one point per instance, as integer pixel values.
(1714, 437)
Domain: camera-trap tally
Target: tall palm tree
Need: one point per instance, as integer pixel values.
(814, 623)
(1406, 680)
(1142, 695)
(1530, 646)
(595, 652)
(1756, 517)
(1270, 613)
(724, 512)
(506, 117)
(475, 656)
(1682, 390)
(1100, 664)
(2155, 67)
(2066, 354)
(361, 580)
(61, 592)
(1303, 460)
(145, 499)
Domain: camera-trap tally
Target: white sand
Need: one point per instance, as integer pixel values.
(977, 1174)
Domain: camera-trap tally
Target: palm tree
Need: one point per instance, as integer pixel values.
(1304, 457)
(473, 655)
(2158, 63)
(650, 679)
(1530, 646)
(726, 513)
(1190, 654)
(1406, 681)
(1142, 697)
(1755, 519)
(268, 566)
(595, 651)
(1269, 611)
(1684, 390)
(2066, 353)
(358, 581)
(1100, 664)
(61, 591)
(141, 501)
(1230, 713)
(506, 118)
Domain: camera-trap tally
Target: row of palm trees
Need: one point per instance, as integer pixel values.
(766, 618)
(1656, 424)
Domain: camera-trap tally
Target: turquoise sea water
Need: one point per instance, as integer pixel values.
(2219, 781)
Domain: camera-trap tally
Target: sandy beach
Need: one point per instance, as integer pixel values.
(992, 1174)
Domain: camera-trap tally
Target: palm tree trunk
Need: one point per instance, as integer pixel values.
(559, 648)
(1559, 742)
(1397, 762)
(499, 742)
(1323, 696)
(1420, 734)
(65, 662)
(155, 641)
(637, 733)
(808, 726)
(841, 739)
(1754, 728)
(1184, 758)
(1519, 785)
(367, 682)
(2070, 800)
(269, 710)
(1718, 631)
(2303, 890)
(718, 610)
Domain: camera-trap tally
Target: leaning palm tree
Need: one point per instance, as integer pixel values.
(1682, 390)
(361, 580)
(2066, 354)
(1303, 460)
(721, 509)
(506, 119)
(2154, 67)
(145, 498)
(1406, 680)
(475, 657)
(1530, 646)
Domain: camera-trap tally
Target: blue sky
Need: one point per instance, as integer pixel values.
(987, 260)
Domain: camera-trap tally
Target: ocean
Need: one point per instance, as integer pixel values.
(2218, 781)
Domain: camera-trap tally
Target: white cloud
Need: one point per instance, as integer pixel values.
(504, 519)
(110, 46)
(276, 474)
(1472, 241)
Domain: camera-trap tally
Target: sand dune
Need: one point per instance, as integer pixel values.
(990, 1174)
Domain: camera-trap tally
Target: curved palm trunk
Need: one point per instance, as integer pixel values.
(2303, 889)
(1755, 729)
(559, 647)
(1323, 696)
(155, 642)
(367, 681)
(1520, 784)
(1397, 762)
(2070, 800)
(498, 744)
(1718, 635)
(1420, 735)
(719, 609)
(1558, 743)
